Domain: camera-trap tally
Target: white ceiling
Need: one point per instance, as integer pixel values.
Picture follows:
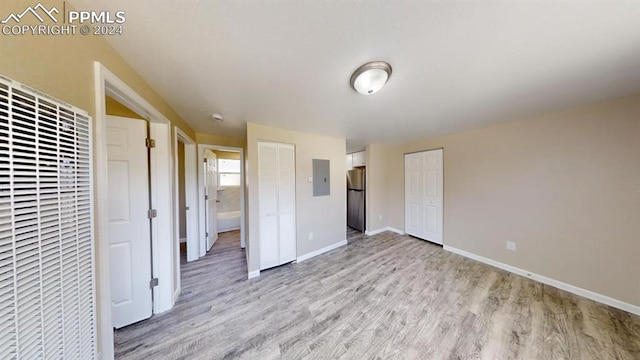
(456, 64)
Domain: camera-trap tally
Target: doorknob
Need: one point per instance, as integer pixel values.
(217, 201)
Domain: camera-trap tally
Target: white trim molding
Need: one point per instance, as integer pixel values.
(191, 197)
(381, 230)
(321, 251)
(603, 299)
(176, 294)
(254, 274)
(375, 232)
(397, 231)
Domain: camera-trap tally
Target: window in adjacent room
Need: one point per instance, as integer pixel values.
(228, 172)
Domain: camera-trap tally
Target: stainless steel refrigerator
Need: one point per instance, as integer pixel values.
(356, 199)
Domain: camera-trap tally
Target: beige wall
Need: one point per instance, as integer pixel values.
(211, 139)
(227, 154)
(564, 187)
(324, 216)
(113, 107)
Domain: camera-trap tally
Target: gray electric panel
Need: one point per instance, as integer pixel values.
(321, 177)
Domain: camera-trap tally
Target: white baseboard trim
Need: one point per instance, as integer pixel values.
(392, 229)
(551, 282)
(375, 232)
(254, 274)
(321, 251)
(381, 230)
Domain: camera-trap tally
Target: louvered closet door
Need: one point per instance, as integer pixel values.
(287, 203)
(46, 245)
(268, 204)
(276, 187)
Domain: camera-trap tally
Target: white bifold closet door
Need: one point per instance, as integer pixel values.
(46, 233)
(277, 203)
(424, 195)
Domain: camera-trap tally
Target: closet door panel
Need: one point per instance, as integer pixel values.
(268, 204)
(287, 202)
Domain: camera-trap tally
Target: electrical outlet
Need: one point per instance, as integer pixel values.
(511, 246)
(310, 236)
(380, 217)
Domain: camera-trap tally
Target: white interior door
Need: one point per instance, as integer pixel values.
(424, 195)
(432, 195)
(129, 232)
(211, 197)
(276, 188)
(413, 196)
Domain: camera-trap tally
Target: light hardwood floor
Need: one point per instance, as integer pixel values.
(382, 297)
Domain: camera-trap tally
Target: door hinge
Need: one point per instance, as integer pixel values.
(206, 197)
(151, 213)
(151, 143)
(153, 283)
(206, 235)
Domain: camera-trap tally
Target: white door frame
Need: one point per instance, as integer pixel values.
(107, 83)
(201, 212)
(191, 198)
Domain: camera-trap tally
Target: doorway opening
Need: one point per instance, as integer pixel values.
(182, 202)
(424, 195)
(128, 223)
(221, 186)
(356, 193)
(186, 247)
(160, 178)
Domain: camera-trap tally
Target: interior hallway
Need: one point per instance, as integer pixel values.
(384, 296)
(201, 281)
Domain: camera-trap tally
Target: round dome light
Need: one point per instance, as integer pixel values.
(371, 77)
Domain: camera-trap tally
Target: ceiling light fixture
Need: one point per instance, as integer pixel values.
(370, 77)
(217, 117)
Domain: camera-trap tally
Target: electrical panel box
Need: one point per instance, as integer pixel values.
(321, 177)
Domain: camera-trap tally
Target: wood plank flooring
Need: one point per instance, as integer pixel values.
(381, 297)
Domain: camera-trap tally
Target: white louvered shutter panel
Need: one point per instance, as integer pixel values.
(277, 203)
(287, 202)
(46, 241)
(268, 204)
